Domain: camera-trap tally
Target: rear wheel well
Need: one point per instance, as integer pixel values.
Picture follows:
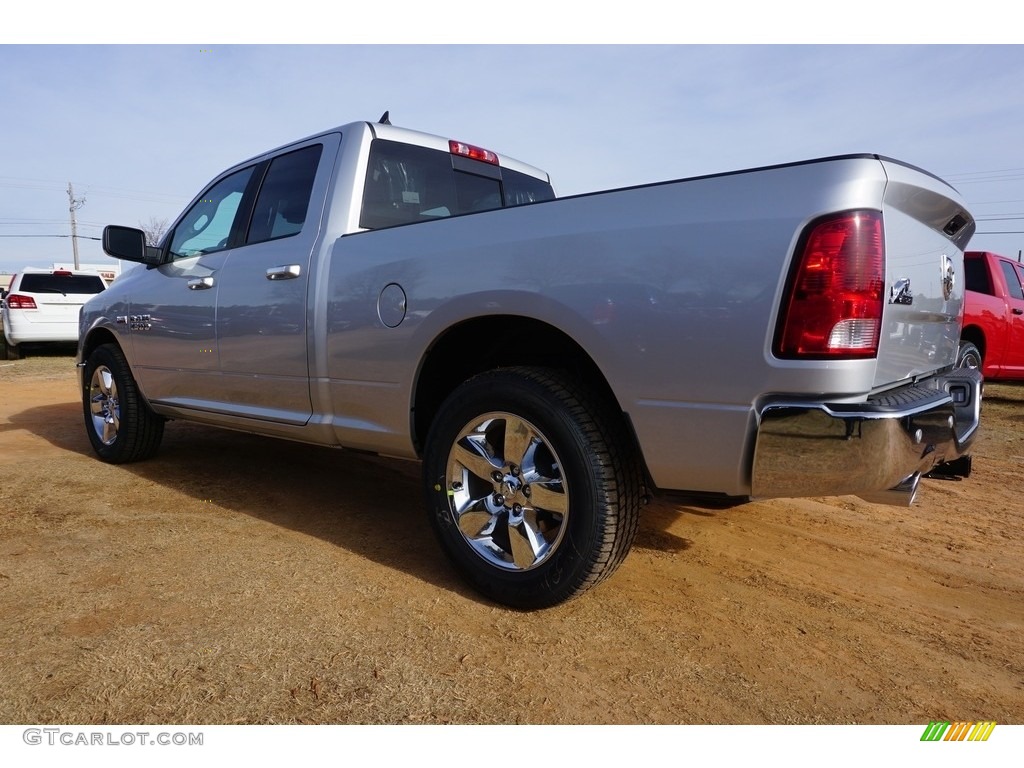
(973, 334)
(500, 341)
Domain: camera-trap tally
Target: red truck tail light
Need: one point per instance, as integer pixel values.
(473, 153)
(17, 301)
(833, 304)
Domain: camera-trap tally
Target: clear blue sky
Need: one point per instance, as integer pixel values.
(138, 130)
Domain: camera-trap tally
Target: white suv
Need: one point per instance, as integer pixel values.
(43, 305)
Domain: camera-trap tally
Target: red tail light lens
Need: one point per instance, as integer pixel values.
(17, 301)
(833, 307)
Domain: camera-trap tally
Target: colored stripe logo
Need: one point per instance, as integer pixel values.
(960, 731)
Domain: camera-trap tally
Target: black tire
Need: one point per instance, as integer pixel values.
(12, 351)
(968, 356)
(120, 424)
(533, 494)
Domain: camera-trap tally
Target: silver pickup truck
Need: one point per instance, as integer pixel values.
(779, 332)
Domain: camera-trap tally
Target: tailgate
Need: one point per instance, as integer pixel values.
(55, 308)
(927, 228)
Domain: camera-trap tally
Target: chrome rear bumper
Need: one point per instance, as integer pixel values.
(877, 450)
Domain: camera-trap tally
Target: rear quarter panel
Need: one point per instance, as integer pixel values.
(672, 290)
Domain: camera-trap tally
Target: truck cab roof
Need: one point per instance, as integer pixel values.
(369, 131)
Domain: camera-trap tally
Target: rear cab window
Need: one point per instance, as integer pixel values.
(978, 279)
(406, 183)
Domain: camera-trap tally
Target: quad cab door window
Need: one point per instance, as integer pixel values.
(283, 201)
(208, 226)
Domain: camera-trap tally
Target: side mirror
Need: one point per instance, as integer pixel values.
(129, 244)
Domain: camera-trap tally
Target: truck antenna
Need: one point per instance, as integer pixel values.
(384, 118)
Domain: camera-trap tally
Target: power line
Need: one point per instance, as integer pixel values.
(79, 237)
(35, 222)
(4, 221)
(43, 185)
(999, 175)
(995, 202)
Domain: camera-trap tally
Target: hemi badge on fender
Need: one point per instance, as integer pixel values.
(135, 322)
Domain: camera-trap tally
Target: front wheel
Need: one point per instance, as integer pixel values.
(531, 489)
(120, 424)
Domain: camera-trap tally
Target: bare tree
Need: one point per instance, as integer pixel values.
(154, 229)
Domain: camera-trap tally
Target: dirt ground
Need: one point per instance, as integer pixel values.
(235, 579)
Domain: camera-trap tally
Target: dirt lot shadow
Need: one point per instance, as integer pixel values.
(369, 505)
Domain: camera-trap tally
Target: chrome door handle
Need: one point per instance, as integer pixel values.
(200, 283)
(286, 272)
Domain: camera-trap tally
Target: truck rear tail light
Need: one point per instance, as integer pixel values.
(473, 153)
(17, 301)
(833, 303)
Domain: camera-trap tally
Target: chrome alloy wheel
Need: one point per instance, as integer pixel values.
(506, 492)
(104, 406)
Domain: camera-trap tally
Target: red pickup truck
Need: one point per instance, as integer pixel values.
(993, 332)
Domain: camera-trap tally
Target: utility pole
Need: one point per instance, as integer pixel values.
(74, 205)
